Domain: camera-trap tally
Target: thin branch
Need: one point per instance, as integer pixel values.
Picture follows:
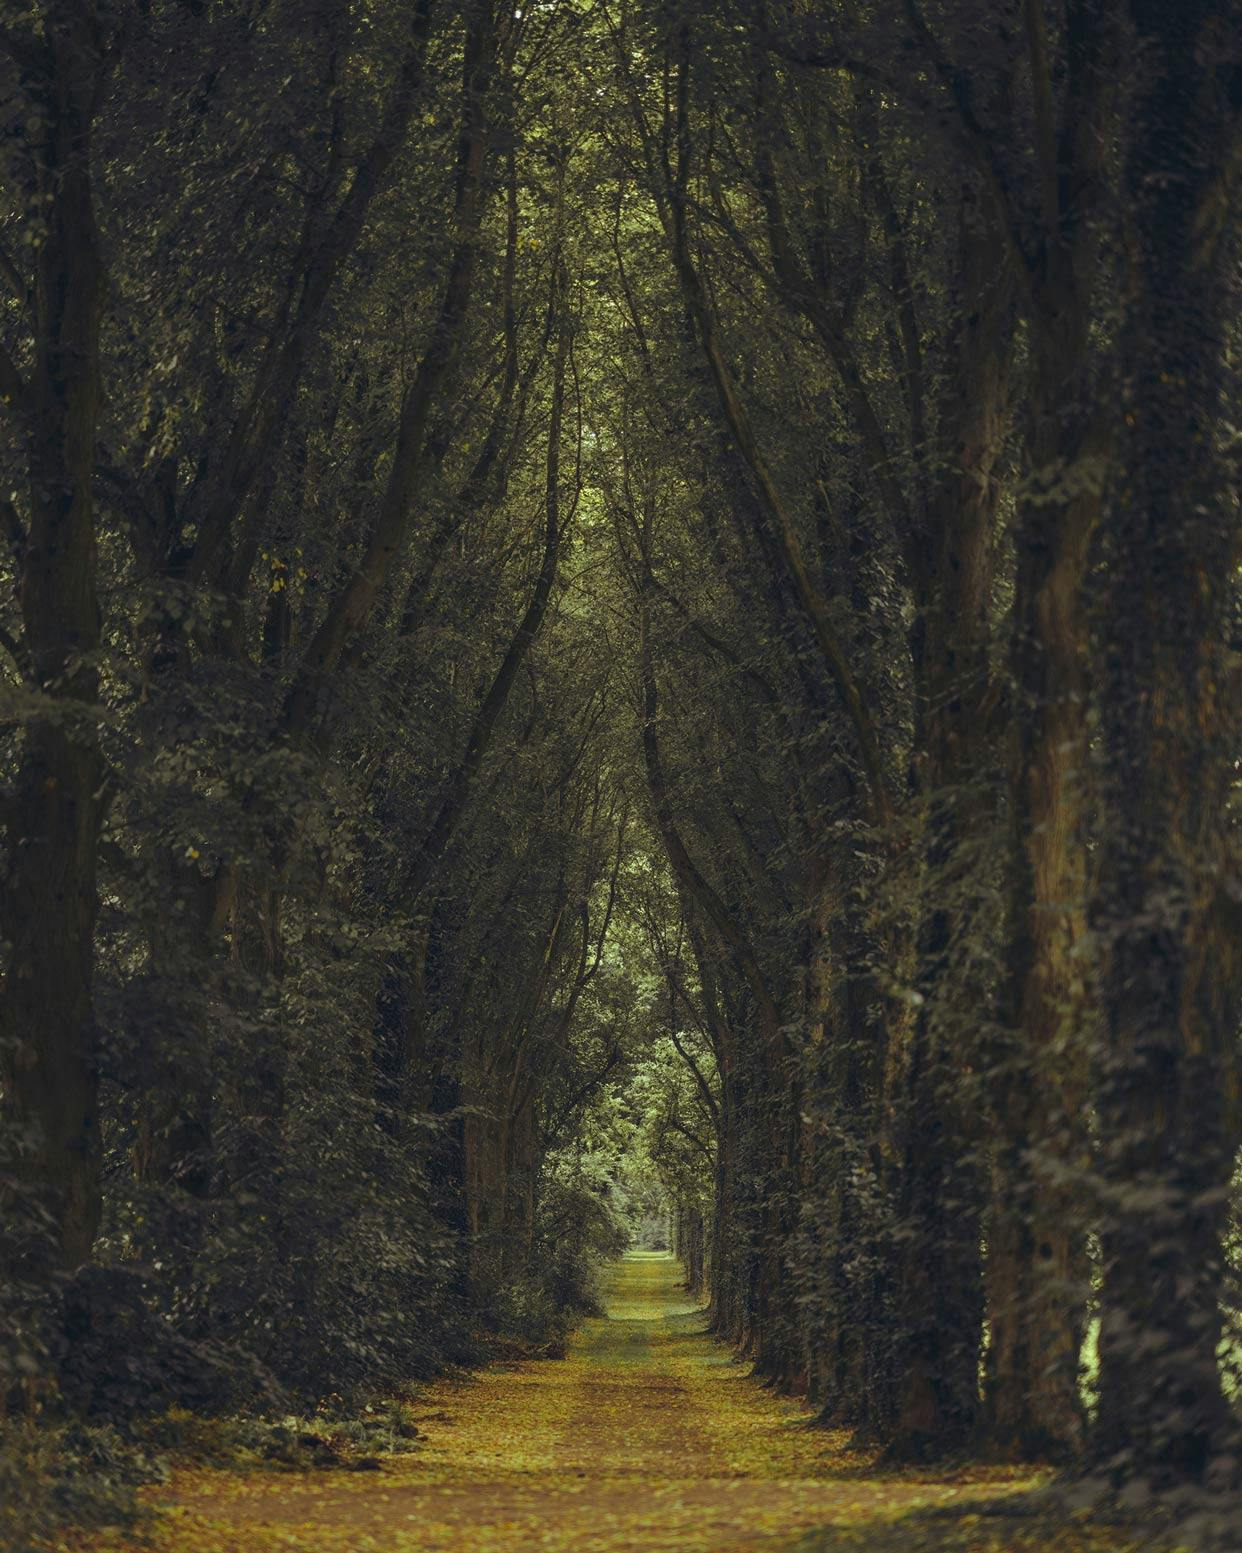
(684, 867)
(1045, 115)
(678, 1126)
(12, 527)
(14, 394)
(19, 287)
(24, 55)
(976, 138)
(701, 1084)
(716, 643)
(14, 649)
(737, 421)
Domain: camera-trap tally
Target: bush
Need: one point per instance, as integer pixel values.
(120, 1358)
(53, 1475)
(576, 1233)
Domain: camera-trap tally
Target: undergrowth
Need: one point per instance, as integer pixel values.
(73, 1473)
(54, 1476)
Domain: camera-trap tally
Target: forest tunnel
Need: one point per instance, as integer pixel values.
(616, 619)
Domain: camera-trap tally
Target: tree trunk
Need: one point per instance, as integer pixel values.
(1037, 1248)
(940, 1180)
(1036, 1236)
(49, 902)
(1172, 988)
(485, 1161)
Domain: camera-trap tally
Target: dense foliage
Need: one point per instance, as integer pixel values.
(612, 611)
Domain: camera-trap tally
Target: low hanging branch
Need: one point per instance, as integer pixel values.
(772, 502)
(458, 788)
(351, 608)
(485, 480)
(675, 989)
(683, 865)
(259, 428)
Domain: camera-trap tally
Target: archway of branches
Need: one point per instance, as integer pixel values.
(615, 621)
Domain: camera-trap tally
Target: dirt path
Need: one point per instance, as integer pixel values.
(648, 1438)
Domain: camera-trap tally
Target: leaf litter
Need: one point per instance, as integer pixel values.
(648, 1437)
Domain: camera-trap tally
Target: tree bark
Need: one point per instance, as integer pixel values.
(49, 903)
(350, 610)
(940, 1182)
(1167, 909)
(1037, 1235)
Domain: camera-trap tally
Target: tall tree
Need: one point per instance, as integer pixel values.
(1168, 907)
(58, 64)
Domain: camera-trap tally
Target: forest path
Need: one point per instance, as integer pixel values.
(649, 1437)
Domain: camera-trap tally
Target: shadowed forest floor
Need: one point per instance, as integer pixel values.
(648, 1436)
